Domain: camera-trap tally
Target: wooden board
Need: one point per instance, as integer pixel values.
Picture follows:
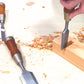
(74, 52)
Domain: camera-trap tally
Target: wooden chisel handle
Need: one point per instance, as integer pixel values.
(67, 13)
(68, 10)
(2, 8)
(15, 53)
(2, 12)
(10, 42)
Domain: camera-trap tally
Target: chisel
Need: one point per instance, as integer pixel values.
(2, 20)
(65, 32)
(27, 77)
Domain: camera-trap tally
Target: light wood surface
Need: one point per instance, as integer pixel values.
(74, 52)
(27, 22)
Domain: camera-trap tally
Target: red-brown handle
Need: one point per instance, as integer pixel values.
(2, 8)
(10, 42)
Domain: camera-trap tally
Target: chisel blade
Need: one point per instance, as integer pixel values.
(65, 35)
(2, 32)
(2, 20)
(2, 35)
(28, 78)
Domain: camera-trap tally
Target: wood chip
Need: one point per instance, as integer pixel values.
(41, 42)
(26, 28)
(58, 32)
(16, 37)
(1, 42)
(23, 9)
(44, 75)
(18, 41)
(82, 29)
(80, 35)
(30, 3)
(76, 33)
(43, 6)
(7, 72)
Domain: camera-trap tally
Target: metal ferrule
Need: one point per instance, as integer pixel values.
(2, 18)
(9, 38)
(1, 3)
(18, 58)
(66, 16)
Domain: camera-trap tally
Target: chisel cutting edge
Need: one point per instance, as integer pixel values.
(2, 20)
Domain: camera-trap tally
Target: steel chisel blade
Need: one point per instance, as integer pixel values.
(65, 35)
(3, 35)
(2, 32)
(28, 78)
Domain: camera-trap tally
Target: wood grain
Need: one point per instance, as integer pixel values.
(74, 52)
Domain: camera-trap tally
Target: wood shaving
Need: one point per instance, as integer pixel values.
(18, 41)
(44, 75)
(58, 32)
(27, 27)
(43, 6)
(76, 33)
(1, 42)
(42, 42)
(80, 35)
(7, 72)
(30, 3)
(23, 9)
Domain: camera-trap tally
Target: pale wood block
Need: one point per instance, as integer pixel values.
(74, 52)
